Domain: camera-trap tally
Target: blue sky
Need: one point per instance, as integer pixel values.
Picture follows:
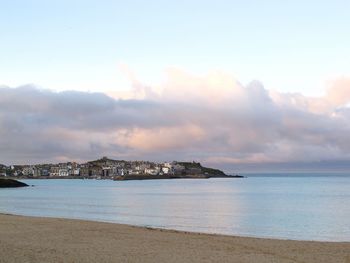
(294, 46)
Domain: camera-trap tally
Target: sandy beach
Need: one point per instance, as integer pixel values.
(31, 239)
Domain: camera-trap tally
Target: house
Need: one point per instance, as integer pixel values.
(74, 171)
(165, 170)
(28, 171)
(2, 173)
(177, 168)
(63, 172)
(45, 172)
(84, 171)
(152, 171)
(120, 171)
(167, 165)
(106, 171)
(2, 170)
(54, 171)
(36, 171)
(95, 171)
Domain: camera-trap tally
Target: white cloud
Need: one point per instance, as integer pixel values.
(211, 118)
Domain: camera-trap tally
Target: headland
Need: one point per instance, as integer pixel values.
(106, 168)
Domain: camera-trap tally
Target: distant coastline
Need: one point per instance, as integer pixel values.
(106, 168)
(126, 178)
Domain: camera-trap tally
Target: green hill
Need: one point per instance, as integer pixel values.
(204, 170)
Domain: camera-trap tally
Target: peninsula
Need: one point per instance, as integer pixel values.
(106, 168)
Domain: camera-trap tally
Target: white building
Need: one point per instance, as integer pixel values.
(167, 165)
(165, 170)
(152, 171)
(63, 172)
(54, 171)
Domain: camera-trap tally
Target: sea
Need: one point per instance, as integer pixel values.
(309, 206)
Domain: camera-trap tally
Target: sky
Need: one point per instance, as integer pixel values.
(237, 85)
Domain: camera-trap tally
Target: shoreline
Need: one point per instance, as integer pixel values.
(126, 177)
(175, 230)
(42, 239)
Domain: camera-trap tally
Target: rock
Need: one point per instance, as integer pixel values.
(11, 183)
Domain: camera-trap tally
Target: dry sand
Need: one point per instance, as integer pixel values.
(30, 239)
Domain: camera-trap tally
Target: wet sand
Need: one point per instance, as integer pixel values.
(31, 239)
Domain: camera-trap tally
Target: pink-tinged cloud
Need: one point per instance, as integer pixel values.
(339, 93)
(166, 138)
(212, 118)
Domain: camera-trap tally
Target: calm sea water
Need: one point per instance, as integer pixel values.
(293, 207)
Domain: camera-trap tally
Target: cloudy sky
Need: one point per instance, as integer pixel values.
(239, 85)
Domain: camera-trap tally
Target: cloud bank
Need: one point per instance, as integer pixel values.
(213, 119)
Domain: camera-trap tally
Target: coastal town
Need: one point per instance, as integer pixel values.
(106, 168)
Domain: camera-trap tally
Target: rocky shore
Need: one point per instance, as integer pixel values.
(7, 183)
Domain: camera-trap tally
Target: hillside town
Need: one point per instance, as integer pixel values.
(106, 168)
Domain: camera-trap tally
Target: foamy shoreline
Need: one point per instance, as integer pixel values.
(36, 239)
